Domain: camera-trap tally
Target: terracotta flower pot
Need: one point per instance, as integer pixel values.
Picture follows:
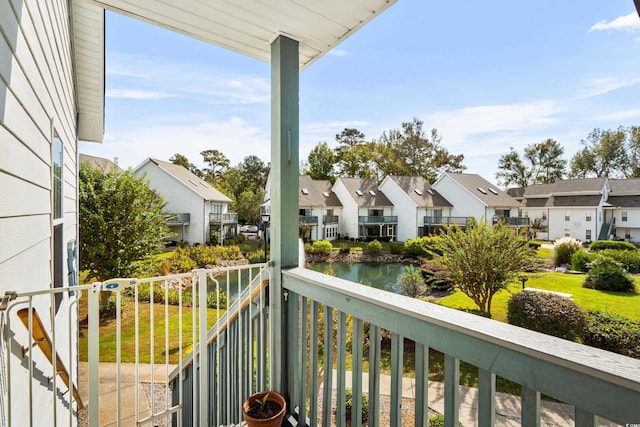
(273, 421)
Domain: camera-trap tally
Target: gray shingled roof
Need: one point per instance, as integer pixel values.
(625, 186)
(568, 186)
(516, 192)
(192, 181)
(316, 190)
(365, 186)
(472, 182)
(573, 201)
(423, 197)
(624, 201)
(106, 164)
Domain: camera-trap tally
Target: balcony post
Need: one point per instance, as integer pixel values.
(284, 196)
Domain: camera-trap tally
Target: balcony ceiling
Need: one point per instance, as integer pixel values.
(244, 26)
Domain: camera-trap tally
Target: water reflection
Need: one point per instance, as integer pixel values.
(381, 276)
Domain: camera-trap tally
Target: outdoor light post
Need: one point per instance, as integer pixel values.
(265, 222)
(523, 279)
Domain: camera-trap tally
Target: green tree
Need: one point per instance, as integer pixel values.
(247, 205)
(411, 151)
(633, 135)
(354, 156)
(604, 155)
(121, 221)
(217, 163)
(320, 162)
(482, 259)
(541, 163)
(179, 159)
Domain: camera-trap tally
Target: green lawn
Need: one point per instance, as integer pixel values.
(590, 299)
(108, 334)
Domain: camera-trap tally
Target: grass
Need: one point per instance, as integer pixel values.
(108, 334)
(621, 303)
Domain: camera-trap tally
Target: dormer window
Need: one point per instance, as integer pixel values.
(373, 193)
(193, 182)
(305, 191)
(430, 191)
(493, 191)
(482, 190)
(418, 192)
(359, 193)
(325, 194)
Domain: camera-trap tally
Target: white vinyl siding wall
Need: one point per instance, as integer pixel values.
(36, 97)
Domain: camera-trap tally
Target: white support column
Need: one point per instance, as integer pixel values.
(284, 195)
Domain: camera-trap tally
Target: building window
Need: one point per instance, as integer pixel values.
(588, 217)
(624, 216)
(526, 214)
(376, 212)
(544, 214)
(567, 232)
(567, 216)
(57, 176)
(627, 234)
(587, 235)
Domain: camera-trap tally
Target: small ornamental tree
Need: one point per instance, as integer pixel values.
(482, 259)
(121, 221)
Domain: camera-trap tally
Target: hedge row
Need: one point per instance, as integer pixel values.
(630, 260)
(561, 317)
(601, 245)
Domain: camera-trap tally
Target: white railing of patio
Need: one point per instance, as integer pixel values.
(596, 382)
(26, 357)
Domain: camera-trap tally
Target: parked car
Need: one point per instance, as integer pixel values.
(249, 228)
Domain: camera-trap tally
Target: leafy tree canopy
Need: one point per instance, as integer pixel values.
(482, 259)
(182, 160)
(605, 155)
(217, 164)
(541, 163)
(121, 221)
(320, 162)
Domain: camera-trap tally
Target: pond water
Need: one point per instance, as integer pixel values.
(381, 276)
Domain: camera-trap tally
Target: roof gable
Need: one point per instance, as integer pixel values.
(316, 192)
(483, 190)
(190, 180)
(365, 192)
(566, 187)
(420, 192)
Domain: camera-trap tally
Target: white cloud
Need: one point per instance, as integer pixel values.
(629, 23)
(339, 52)
(188, 80)
(620, 116)
(234, 137)
(601, 85)
(498, 122)
(136, 94)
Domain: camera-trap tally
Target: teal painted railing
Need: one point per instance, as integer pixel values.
(177, 218)
(330, 219)
(309, 219)
(225, 218)
(595, 382)
(513, 221)
(387, 219)
(447, 220)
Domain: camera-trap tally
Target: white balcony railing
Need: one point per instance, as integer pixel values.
(322, 313)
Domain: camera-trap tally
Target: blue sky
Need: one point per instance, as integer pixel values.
(488, 75)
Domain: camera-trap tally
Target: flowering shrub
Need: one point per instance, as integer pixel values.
(564, 248)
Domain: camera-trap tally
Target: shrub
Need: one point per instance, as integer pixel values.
(580, 260)
(547, 313)
(630, 260)
(345, 249)
(435, 277)
(348, 405)
(321, 247)
(203, 255)
(217, 299)
(613, 332)
(422, 247)
(411, 282)
(600, 245)
(227, 252)
(374, 247)
(437, 420)
(563, 249)
(256, 257)
(181, 262)
(607, 274)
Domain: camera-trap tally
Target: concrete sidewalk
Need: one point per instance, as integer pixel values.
(128, 390)
(507, 406)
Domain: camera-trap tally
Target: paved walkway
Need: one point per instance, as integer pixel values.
(507, 406)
